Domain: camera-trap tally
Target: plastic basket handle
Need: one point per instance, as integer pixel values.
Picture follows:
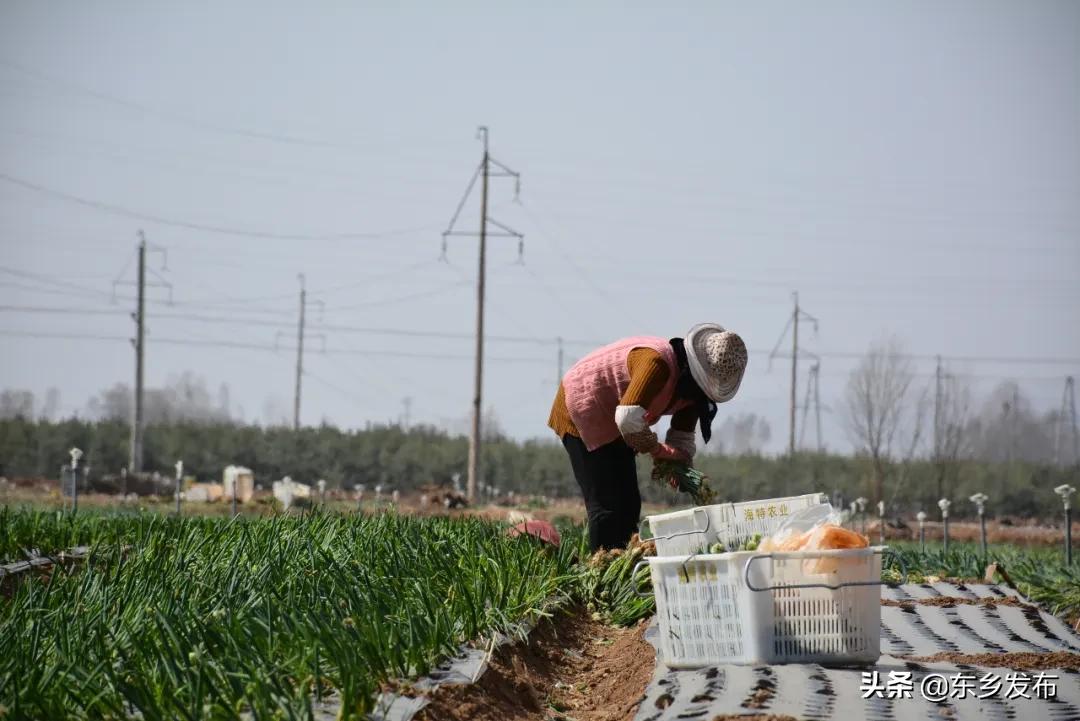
(831, 587)
(633, 577)
(708, 522)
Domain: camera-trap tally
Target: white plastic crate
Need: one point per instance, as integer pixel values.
(749, 607)
(693, 530)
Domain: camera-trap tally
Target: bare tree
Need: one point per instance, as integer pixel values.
(183, 398)
(15, 403)
(952, 410)
(275, 413)
(1007, 428)
(743, 434)
(492, 428)
(874, 405)
(112, 404)
(911, 434)
(51, 408)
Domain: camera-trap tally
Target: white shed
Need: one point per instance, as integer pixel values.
(244, 480)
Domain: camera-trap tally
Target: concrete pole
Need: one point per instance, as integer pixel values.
(1068, 535)
(76, 454)
(921, 516)
(1066, 491)
(881, 521)
(140, 349)
(299, 355)
(980, 499)
(944, 504)
(794, 374)
(179, 483)
(478, 380)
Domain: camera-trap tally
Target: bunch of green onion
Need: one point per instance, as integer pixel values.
(684, 478)
(611, 590)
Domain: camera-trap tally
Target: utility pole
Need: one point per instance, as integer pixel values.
(794, 369)
(813, 397)
(816, 368)
(1014, 428)
(484, 171)
(478, 382)
(135, 461)
(1068, 410)
(1072, 417)
(301, 336)
(1006, 424)
(407, 402)
(299, 354)
(937, 411)
(140, 339)
(793, 322)
(806, 404)
(558, 378)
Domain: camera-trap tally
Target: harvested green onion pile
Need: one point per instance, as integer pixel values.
(682, 477)
(610, 588)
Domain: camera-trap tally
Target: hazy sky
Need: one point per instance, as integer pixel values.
(911, 168)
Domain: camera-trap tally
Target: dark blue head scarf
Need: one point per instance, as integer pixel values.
(688, 389)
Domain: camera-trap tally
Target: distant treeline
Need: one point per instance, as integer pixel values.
(406, 459)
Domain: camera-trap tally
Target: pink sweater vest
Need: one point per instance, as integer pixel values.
(594, 385)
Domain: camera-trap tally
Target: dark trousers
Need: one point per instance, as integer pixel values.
(608, 481)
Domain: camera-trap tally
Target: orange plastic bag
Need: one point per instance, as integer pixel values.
(815, 529)
(826, 537)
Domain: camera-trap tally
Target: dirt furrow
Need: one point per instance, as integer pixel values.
(571, 667)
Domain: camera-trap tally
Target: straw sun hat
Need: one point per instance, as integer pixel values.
(717, 360)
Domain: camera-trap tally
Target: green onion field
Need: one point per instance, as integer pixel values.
(206, 618)
(211, 618)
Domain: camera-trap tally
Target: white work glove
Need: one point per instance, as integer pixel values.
(635, 429)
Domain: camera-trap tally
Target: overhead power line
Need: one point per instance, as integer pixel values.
(37, 277)
(49, 291)
(326, 327)
(1020, 360)
(63, 336)
(268, 347)
(410, 296)
(60, 311)
(204, 227)
(525, 340)
(177, 118)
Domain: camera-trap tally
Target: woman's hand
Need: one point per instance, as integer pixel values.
(665, 452)
(683, 441)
